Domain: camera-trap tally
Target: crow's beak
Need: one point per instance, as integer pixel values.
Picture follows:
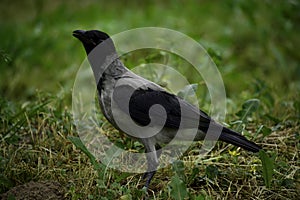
(80, 34)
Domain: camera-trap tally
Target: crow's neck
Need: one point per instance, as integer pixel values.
(106, 63)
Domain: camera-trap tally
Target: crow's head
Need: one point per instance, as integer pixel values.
(90, 39)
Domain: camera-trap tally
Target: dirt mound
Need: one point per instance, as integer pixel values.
(44, 190)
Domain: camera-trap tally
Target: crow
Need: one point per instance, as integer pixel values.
(125, 97)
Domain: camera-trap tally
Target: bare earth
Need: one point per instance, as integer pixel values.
(43, 190)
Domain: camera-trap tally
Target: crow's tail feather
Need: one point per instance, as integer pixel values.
(237, 139)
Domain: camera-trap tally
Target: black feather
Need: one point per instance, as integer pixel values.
(176, 109)
(239, 140)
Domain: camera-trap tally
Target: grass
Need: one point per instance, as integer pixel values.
(254, 44)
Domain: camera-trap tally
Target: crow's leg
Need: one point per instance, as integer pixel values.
(153, 153)
(158, 151)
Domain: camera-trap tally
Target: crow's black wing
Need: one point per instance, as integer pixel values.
(179, 112)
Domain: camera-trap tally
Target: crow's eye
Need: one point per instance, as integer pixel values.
(94, 41)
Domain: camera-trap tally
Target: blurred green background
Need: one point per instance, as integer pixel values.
(252, 42)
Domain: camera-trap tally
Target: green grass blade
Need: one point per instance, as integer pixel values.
(248, 108)
(178, 188)
(78, 143)
(267, 167)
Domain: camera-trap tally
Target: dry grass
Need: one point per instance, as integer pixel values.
(39, 149)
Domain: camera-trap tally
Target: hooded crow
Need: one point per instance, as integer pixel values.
(125, 97)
